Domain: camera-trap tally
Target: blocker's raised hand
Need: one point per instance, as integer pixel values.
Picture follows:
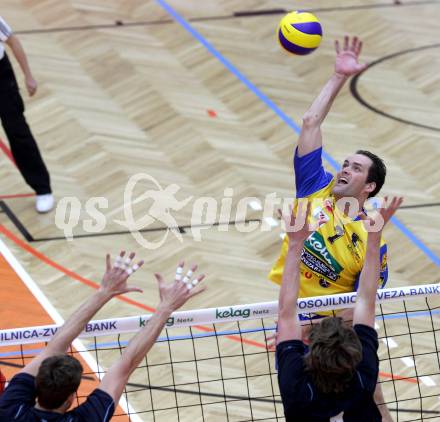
(114, 281)
(296, 223)
(184, 287)
(378, 220)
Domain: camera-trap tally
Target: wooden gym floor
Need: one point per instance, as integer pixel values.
(125, 89)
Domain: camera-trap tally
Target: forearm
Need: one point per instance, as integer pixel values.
(319, 109)
(346, 314)
(371, 271)
(290, 284)
(69, 331)
(18, 51)
(76, 322)
(310, 138)
(144, 341)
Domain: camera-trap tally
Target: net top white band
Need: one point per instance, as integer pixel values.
(39, 334)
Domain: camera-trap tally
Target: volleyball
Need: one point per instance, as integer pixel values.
(300, 33)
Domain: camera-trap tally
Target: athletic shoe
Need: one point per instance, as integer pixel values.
(44, 203)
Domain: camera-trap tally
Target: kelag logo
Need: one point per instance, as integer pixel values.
(143, 322)
(220, 314)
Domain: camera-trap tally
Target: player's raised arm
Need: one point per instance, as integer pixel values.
(364, 311)
(114, 282)
(297, 229)
(346, 65)
(172, 297)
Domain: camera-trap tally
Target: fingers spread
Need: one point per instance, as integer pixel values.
(354, 44)
(159, 279)
(303, 210)
(396, 202)
(179, 271)
(197, 280)
(118, 262)
(346, 41)
(138, 265)
(358, 48)
(196, 291)
(133, 289)
(189, 274)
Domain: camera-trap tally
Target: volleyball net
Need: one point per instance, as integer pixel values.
(214, 364)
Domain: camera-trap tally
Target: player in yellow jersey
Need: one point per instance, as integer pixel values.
(333, 256)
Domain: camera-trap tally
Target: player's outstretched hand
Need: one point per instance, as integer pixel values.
(297, 227)
(377, 222)
(115, 277)
(347, 57)
(175, 294)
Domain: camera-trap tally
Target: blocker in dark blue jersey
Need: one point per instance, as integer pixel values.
(52, 378)
(303, 403)
(18, 401)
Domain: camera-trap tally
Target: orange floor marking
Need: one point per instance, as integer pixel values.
(94, 285)
(19, 308)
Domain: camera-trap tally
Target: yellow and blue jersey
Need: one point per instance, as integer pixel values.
(333, 255)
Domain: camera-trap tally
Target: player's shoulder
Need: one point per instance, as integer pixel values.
(99, 407)
(5, 29)
(310, 175)
(324, 193)
(21, 379)
(365, 331)
(3, 21)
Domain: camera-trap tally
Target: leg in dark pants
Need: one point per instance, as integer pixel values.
(23, 145)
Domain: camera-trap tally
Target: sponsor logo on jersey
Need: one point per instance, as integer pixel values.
(317, 257)
(320, 216)
(317, 266)
(324, 283)
(354, 252)
(383, 269)
(383, 264)
(339, 233)
(355, 239)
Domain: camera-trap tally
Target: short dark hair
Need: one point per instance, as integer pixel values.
(335, 351)
(58, 377)
(376, 172)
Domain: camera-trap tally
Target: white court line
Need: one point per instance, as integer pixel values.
(54, 314)
(390, 342)
(428, 381)
(408, 361)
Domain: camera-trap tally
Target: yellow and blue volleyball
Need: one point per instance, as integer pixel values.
(300, 32)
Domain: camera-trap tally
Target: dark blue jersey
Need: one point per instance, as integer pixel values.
(18, 401)
(303, 402)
